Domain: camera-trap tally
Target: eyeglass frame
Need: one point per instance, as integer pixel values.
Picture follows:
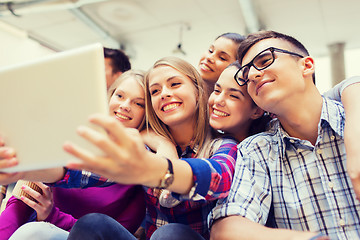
(243, 82)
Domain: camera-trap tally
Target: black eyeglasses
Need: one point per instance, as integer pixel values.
(261, 61)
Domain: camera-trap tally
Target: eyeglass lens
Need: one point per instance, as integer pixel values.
(260, 62)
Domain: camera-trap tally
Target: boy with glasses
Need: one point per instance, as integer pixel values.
(292, 177)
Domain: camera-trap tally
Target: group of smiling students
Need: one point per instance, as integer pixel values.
(175, 130)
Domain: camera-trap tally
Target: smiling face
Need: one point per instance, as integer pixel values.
(127, 104)
(219, 55)
(173, 96)
(231, 108)
(279, 82)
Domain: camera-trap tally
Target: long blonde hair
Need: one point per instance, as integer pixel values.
(139, 77)
(201, 130)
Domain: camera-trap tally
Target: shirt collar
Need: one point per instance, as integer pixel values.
(333, 114)
(188, 152)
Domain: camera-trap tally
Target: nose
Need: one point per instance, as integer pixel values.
(254, 74)
(125, 105)
(165, 93)
(220, 99)
(209, 57)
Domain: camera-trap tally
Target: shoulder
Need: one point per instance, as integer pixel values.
(225, 140)
(332, 109)
(223, 144)
(333, 114)
(263, 143)
(269, 136)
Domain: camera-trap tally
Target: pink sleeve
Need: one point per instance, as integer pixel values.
(14, 215)
(61, 219)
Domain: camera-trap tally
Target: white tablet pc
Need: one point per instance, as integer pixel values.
(44, 101)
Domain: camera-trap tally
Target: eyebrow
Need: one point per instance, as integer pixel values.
(236, 90)
(231, 89)
(122, 91)
(221, 52)
(167, 80)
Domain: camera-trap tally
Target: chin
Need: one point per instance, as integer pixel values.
(215, 125)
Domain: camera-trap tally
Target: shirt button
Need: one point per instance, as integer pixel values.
(292, 140)
(331, 185)
(342, 222)
(332, 137)
(319, 151)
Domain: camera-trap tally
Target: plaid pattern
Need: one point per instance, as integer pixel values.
(212, 179)
(307, 185)
(81, 179)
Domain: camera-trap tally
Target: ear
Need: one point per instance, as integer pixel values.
(258, 113)
(308, 66)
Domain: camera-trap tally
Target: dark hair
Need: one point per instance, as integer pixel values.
(260, 124)
(256, 37)
(119, 60)
(235, 37)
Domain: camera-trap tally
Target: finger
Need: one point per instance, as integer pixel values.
(7, 152)
(10, 162)
(46, 190)
(88, 161)
(103, 142)
(82, 154)
(30, 203)
(33, 193)
(111, 125)
(102, 166)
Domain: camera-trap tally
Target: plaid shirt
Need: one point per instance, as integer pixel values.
(307, 186)
(212, 178)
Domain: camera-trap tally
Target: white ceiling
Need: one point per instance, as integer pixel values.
(150, 29)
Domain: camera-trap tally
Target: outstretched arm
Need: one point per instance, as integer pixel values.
(351, 102)
(125, 159)
(237, 227)
(348, 92)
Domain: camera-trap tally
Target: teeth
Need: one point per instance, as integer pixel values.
(219, 113)
(205, 67)
(122, 116)
(171, 106)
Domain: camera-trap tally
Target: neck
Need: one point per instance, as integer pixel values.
(182, 134)
(301, 120)
(243, 131)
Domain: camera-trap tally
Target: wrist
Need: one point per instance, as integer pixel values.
(168, 178)
(52, 215)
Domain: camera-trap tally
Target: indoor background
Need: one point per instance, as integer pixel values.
(150, 29)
